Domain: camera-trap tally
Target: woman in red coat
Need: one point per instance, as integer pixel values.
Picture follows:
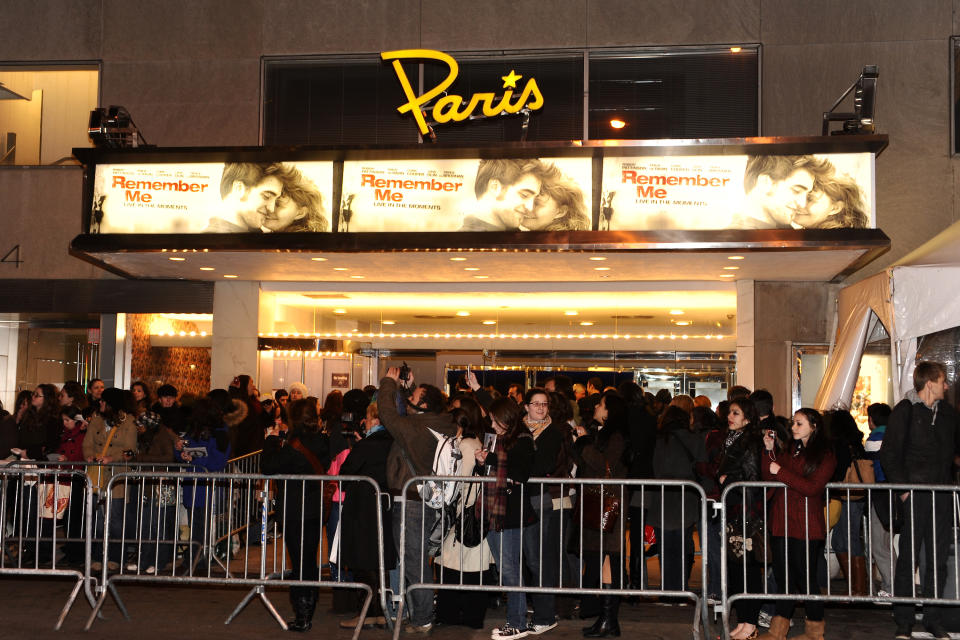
(796, 521)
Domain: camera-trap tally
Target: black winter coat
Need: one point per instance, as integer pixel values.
(296, 498)
(358, 524)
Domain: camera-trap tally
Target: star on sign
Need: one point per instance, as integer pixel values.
(510, 80)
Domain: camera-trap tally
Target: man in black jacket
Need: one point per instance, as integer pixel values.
(918, 448)
(412, 455)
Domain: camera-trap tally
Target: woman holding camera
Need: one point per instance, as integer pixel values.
(796, 517)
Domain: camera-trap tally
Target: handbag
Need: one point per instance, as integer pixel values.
(468, 529)
(53, 498)
(831, 512)
(860, 471)
(600, 506)
(754, 542)
(98, 472)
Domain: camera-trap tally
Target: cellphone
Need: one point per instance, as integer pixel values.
(771, 434)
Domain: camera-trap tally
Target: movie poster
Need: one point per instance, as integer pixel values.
(828, 191)
(540, 194)
(233, 197)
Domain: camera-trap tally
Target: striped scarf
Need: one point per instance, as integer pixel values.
(496, 498)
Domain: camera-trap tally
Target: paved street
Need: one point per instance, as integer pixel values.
(28, 608)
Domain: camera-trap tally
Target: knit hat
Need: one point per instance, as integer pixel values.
(302, 388)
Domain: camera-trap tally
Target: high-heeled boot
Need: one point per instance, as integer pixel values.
(607, 623)
(304, 602)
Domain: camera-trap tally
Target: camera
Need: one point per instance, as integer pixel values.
(404, 374)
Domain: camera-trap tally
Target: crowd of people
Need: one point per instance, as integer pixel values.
(511, 531)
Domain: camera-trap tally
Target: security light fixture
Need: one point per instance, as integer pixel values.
(861, 120)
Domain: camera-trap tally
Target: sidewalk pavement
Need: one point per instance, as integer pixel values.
(29, 608)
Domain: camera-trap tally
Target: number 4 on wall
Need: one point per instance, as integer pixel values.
(15, 259)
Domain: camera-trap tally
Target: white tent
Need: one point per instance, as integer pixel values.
(914, 297)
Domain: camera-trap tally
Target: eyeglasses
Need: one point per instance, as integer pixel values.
(539, 404)
(37, 394)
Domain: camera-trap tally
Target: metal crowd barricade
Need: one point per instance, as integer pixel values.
(249, 463)
(550, 565)
(230, 523)
(44, 510)
(939, 504)
(169, 556)
(97, 476)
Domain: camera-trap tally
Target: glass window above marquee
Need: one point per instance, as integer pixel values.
(687, 94)
(632, 94)
(44, 112)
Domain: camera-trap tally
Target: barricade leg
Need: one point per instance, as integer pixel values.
(259, 590)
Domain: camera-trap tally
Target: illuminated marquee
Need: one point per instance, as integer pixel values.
(450, 107)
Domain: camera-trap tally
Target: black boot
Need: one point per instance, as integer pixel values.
(304, 601)
(636, 573)
(607, 624)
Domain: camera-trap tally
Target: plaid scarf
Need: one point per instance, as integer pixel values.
(496, 498)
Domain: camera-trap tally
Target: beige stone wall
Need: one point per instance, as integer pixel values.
(190, 72)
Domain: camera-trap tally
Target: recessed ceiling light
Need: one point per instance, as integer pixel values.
(341, 269)
(340, 311)
(389, 322)
(736, 49)
(319, 259)
(458, 259)
(597, 258)
(489, 322)
(601, 268)
(481, 277)
(230, 275)
(176, 259)
(358, 277)
(463, 314)
(586, 323)
(676, 312)
(727, 275)
(731, 268)
(570, 312)
(471, 268)
(206, 269)
(734, 257)
(682, 323)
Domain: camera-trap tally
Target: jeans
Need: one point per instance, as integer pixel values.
(543, 561)
(505, 548)
(116, 532)
(676, 557)
(851, 518)
(158, 530)
(419, 522)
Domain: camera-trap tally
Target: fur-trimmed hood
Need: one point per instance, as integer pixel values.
(237, 415)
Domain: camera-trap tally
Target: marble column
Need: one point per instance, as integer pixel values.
(746, 373)
(235, 326)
